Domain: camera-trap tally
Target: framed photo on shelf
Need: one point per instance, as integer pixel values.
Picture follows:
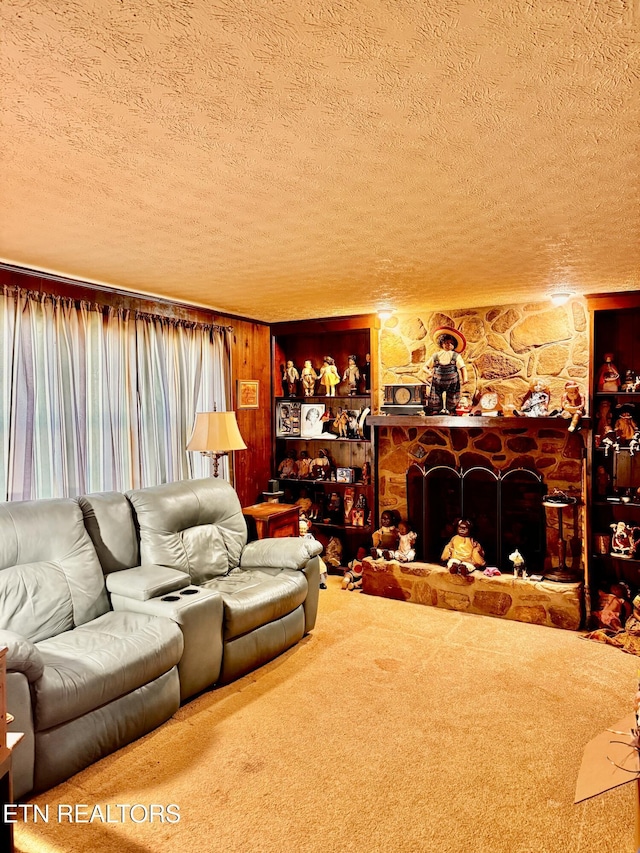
(287, 419)
(247, 396)
(311, 415)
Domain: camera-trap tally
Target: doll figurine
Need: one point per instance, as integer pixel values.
(385, 538)
(463, 554)
(447, 371)
(604, 418)
(536, 401)
(290, 378)
(517, 561)
(622, 542)
(304, 465)
(365, 373)
(572, 405)
(329, 376)
(288, 468)
(309, 377)
(353, 576)
(630, 382)
(405, 552)
(625, 426)
(352, 375)
(608, 375)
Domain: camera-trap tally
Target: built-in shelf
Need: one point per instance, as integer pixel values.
(471, 421)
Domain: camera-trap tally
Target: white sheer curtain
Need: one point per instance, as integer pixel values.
(96, 399)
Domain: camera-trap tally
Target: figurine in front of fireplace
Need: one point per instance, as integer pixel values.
(463, 554)
(385, 538)
(406, 552)
(519, 566)
(447, 371)
(572, 405)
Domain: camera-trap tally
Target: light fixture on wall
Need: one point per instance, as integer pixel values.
(561, 297)
(215, 434)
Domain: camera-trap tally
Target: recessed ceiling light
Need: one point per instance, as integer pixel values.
(385, 313)
(561, 297)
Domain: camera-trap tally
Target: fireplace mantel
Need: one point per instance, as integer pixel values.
(471, 422)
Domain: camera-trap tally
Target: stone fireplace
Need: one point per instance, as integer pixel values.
(503, 465)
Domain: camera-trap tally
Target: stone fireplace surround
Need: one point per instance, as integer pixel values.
(542, 445)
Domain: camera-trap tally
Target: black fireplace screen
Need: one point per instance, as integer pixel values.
(505, 508)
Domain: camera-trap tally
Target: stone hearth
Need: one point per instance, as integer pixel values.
(558, 605)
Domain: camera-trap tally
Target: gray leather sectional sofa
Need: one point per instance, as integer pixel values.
(115, 608)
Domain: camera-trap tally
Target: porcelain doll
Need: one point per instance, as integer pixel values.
(604, 418)
(290, 378)
(288, 468)
(536, 401)
(405, 552)
(630, 382)
(385, 538)
(608, 375)
(365, 373)
(309, 378)
(572, 405)
(352, 375)
(625, 426)
(447, 371)
(463, 554)
(329, 376)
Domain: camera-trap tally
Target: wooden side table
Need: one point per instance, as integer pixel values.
(269, 520)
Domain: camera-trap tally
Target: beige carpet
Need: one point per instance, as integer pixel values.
(393, 727)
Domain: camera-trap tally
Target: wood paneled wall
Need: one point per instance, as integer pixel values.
(250, 359)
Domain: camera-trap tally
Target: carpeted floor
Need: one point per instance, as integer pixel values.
(393, 727)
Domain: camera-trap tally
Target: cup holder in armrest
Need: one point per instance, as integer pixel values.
(189, 591)
(170, 598)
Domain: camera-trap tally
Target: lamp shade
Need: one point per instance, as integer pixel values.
(216, 432)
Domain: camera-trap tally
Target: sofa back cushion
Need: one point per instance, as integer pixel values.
(196, 526)
(50, 577)
(108, 517)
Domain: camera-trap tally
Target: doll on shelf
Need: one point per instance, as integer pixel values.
(536, 401)
(304, 465)
(406, 552)
(572, 405)
(447, 371)
(290, 379)
(352, 375)
(463, 554)
(288, 468)
(625, 426)
(603, 420)
(304, 502)
(630, 382)
(608, 375)
(329, 376)
(309, 378)
(622, 539)
(365, 373)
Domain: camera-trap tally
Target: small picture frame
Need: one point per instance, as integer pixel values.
(311, 420)
(247, 396)
(287, 420)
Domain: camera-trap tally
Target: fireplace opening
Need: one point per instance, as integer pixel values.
(504, 506)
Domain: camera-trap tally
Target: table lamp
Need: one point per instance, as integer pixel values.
(215, 434)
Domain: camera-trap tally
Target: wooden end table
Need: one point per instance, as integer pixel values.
(269, 520)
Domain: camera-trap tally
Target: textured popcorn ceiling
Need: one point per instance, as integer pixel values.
(284, 159)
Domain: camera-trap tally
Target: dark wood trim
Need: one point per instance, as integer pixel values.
(328, 325)
(469, 422)
(613, 301)
(102, 294)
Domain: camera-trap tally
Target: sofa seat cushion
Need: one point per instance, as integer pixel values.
(255, 596)
(100, 661)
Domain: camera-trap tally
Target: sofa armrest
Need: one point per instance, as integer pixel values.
(146, 581)
(285, 553)
(22, 655)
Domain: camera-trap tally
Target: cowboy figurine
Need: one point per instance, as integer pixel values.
(448, 371)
